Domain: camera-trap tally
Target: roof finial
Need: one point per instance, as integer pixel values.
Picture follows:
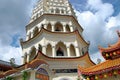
(118, 32)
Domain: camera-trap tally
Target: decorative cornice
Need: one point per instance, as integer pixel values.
(43, 30)
(54, 15)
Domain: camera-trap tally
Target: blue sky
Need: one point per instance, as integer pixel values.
(99, 18)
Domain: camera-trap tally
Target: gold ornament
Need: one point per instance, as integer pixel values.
(88, 78)
(96, 77)
(114, 53)
(105, 76)
(107, 55)
(115, 72)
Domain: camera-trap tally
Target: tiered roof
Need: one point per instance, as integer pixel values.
(33, 64)
(4, 66)
(40, 58)
(101, 68)
(112, 63)
(113, 51)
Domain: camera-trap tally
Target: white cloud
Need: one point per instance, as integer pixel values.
(99, 25)
(8, 52)
(95, 4)
(96, 56)
(14, 15)
(113, 22)
(102, 10)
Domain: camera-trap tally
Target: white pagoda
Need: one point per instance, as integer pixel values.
(54, 45)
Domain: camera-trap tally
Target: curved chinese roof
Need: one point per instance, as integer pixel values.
(101, 68)
(111, 47)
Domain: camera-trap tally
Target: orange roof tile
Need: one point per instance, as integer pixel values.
(106, 66)
(36, 63)
(111, 47)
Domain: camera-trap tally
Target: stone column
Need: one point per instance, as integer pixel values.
(45, 26)
(71, 28)
(31, 34)
(60, 11)
(64, 28)
(68, 51)
(44, 50)
(77, 51)
(53, 51)
(53, 28)
(54, 11)
(28, 56)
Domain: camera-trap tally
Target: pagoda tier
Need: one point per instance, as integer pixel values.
(113, 51)
(43, 61)
(50, 36)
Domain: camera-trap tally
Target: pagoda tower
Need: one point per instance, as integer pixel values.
(54, 45)
(54, 35)
(52, 30)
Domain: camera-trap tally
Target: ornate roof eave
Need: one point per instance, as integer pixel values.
(32, 64)
(111, 48)
(38, 58)
(40, 55)
(86, 55)
(47, 31)
(106, 66)
(45, 14)
(9, 72)
(37, 61)
(6, 66)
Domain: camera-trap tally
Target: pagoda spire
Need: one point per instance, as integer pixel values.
(59, 7)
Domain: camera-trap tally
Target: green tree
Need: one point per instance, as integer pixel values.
(25, 75)
(9, 78)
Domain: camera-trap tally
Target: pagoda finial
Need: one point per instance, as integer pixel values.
(118, 32)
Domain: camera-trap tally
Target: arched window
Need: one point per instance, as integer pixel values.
(49, 50)
(40, 47)
(57, 10)
(52, 10)
(58, 26)
(61, 49)
(60, 52)
(49, 27)
(35, 32)
(72, 51)
(67, 28)
(62, 11)
(32, 53)
(42, 74)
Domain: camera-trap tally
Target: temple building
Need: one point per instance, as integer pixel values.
(4, 66)
(54, 45)
(54, 48)
(107, 70)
